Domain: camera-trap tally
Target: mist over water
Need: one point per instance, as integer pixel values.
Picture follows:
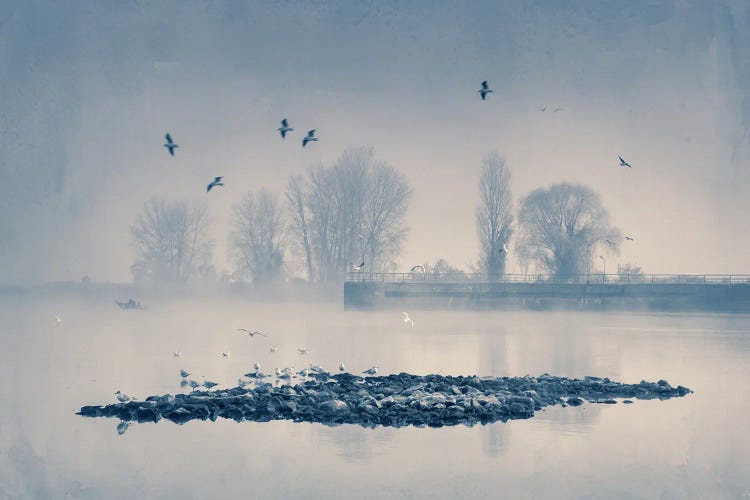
(696, 446)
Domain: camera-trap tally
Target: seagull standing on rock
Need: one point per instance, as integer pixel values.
(284, 128)
(214, 183)
(208, 384)
(123, 398)
(342, 367)
(170, 145)
(484, 90)
(372, 371)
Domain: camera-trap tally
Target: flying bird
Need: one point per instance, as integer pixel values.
(252, 333)
(58, 320)
(610, 243)
(214, 183)
(417, 267)
(407, 319)
(273, 348)
(623, 163)
(226, 353)
(123, 398)
(303, 350)
(310, 137)
(372, 371)
(284, 128)
(629, 238)
(556, 110)
(184, 374)
(484, 90)
(359, 267)
(170, 145)
(504, 249)
(543, 109)
(177, 353)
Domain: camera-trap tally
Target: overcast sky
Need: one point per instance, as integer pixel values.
(88, 89)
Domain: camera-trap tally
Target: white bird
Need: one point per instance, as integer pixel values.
(208, 384)
(184, 374)
(407, 319)
(170, 145)
(226, 353)
(252, 333)
(317, 368)
(256, 365)
(309, 138)
(58, 320)
(303, 350)
(484, 90)
(342, 367)
(123, 398)
(623, 163)
(359, 267)
(305, 372)
(122, 427)
(243, 383)
(372, 371)
(284, 128)
(273, 348)
(214, 183)
(177, 354)
(193, 384)
(504, 249)
(629, 238)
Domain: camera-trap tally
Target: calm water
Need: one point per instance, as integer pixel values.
(694, 447)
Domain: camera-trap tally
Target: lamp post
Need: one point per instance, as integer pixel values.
(604, 276)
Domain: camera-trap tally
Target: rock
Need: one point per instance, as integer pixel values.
(574, 401)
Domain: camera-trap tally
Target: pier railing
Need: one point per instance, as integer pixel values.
(582, 279)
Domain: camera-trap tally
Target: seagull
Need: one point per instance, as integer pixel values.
(226, 353)
(284, 128)
(629, 238)
(342, 367)
(407, 319)
(372, 371)
(504, 249)
(58, 320)
(122, 427)
(309, 138)
(556, 110)
(273, 348)
(170, 145)
(304, 372)
(243, 383)
(183, 383)
(623, 163)
(214, 183)
(252, 333)
(177, 353)
(610, 243)
(303, 350)
(123, 398)
(184, 374)
(543, 109)
(484, 90)
(193, 384)
(208, 384)
(317, 368)
(256, 365)
(359, 267)
(414, 269)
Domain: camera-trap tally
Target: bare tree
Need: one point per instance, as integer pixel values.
(257, 240)
(562, 226)
(171, 240)
(494, 214)
(349, 212)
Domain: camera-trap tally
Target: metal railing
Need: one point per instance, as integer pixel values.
(592, 279)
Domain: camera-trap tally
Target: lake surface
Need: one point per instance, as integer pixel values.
(692, 447)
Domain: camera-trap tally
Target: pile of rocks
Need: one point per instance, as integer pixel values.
(393, 400)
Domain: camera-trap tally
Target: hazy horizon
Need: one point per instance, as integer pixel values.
(88, 91)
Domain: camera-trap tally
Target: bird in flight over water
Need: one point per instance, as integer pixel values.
(252, 333)
(629, 238)
(214, 183)
(309, 138)
(170, 145)
(417, 268)
(484, 90)
(623, 163)
(359, 267)
(284, 128)
(504, 249)
(303, 350)
(610, 243)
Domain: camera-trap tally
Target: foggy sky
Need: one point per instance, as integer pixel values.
(88, 89)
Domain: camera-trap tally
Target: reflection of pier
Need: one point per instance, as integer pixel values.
(592, 291)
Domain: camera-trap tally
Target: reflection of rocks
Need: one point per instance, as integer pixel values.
(495, 439)
(393, 400)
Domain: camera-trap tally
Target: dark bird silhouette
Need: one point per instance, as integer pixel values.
(284, 128)
(484, 90)
(417, 267)
(310, 137)
(170, 145)
(610, 243)
(623, 163)
(629, 238)
(214, 183)
(543, 109)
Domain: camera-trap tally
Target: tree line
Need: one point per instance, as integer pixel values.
(336, 216)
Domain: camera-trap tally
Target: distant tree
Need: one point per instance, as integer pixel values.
(494, 215)
(350, 212)
(629, 269)
(171, 240)
(560, 228)
(443, 267)
(257, 240)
